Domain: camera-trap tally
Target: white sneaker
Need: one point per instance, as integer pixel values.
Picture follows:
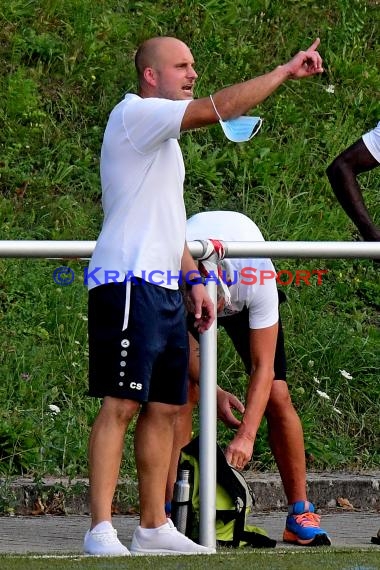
(102, 541)
(165, 540)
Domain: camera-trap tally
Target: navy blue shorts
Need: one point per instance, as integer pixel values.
(237, 328)
(138, 343)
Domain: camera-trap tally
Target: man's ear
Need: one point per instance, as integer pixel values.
(150, 76)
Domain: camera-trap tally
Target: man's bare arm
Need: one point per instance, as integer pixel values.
(237, 99)
(263, 347)
(203, 307)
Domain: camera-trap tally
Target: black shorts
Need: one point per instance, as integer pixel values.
(237, 328)
(138, 343)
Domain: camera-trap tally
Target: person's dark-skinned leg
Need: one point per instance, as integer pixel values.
(342, 174)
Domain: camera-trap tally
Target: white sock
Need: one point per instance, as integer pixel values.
(100, 527)
(148, 531)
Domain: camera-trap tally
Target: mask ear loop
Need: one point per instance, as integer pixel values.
(256, 128)
(215, 109)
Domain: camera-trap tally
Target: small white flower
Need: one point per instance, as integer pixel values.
(310, 363)
(316, 380)
(76, 341)
(330, 89)
(337, 411)
(345, 374)
(54, 409)
(323, 395)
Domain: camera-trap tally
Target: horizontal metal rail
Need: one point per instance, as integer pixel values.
(275, 249)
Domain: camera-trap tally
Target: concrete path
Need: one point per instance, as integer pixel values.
(49, 534)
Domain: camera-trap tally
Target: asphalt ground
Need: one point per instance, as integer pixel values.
(48, 534)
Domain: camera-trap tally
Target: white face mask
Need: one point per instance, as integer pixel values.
(241, 129)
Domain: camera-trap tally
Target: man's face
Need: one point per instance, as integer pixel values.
(174, 72)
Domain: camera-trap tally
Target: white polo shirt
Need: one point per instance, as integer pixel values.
(252, 285)
(372, 142)
(142, 175)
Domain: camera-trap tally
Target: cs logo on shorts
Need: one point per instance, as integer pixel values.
(135, 385)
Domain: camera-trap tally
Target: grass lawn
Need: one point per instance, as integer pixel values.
(336, 559)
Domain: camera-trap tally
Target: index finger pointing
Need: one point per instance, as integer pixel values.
(314, 45)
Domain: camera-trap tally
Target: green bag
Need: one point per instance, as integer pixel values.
(234, 501)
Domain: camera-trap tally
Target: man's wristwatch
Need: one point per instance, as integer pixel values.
(195, 281)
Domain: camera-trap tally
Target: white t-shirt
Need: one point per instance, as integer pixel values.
(142, 175)
(251, 287)
(372, 142)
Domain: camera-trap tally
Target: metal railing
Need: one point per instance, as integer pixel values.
(297, 249)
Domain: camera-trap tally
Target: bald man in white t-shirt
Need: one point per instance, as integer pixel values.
(138, 349)
(362, 156)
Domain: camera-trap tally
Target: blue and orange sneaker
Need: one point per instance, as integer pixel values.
(302, 526)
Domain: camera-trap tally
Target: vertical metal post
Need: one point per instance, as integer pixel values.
(207, 429)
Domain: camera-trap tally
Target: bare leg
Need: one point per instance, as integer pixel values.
(184, 421)
(342, 174)
(153, 449)
(286, 441)
(105, 453)
(182, 436)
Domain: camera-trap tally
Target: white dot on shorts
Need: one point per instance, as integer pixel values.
(125, 343)
(122, 374)
(124, 353)
(121, 383)
(123, 363)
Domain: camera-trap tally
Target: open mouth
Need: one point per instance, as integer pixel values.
(188, 89)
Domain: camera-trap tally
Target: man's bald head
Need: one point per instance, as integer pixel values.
(152, 52)
(165, 68)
